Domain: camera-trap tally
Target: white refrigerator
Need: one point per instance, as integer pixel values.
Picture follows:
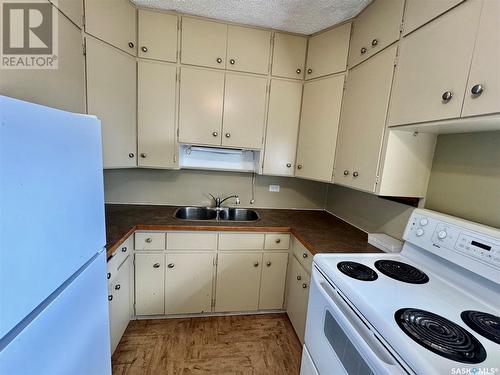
(53, 287)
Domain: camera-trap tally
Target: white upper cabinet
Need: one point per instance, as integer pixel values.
(482, 95)
(375, 28)
(434, 61)
(318, 127)
(327, 53)
(112, 97)
(282, 127)
(200, 106)
(289, 56)
(419, 12)
(157, 35)
(73, 9)
(113, 21)
(203, 43)
(244, 110)
(248, 50)
(156, 138)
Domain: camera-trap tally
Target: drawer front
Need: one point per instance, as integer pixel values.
(119, 257)
(278, 241)
(303, 255)
(241, 241)
(150, 241)
(191, 241)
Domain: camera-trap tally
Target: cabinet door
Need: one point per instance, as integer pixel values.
(157, 35)
(297, 294)
(156, 114)
(361, 133)
(318, 127)
(73, 9)
(189, 283)
(283, 118)
(327, 53)
(119, 304)
(419, 12)
(113, 21)
(434, 61)
(203, 43)
(248, 49)
(238, 281)
(244, 110)
(111, 96)
(289, 56)
(200, 106)
(485, 65)
(272, 286)
(149, 284)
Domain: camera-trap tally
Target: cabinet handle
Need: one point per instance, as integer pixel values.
(355, 174)
(228, 135)
(109, 275)
(374, 42)
(477, 90)
(298, 71)
(144, 49)
(149, 240)
(170, 265)
(124, 249)
(131, 45)
(215, 134)
(268, 264)
(299, 166)
(256, 264)
(309, 71)
(299, 277)
(232, 61)
(447, 95)
(156, 265)
(304, 255)
(144, 155)
(288, 165)
(363, 50)
(304, 285)
(219, 60)
(110, 298)
(131, 155)
(346, 173)
(117, 287)
(278, 240)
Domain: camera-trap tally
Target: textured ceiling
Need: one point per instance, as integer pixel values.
(299, 16)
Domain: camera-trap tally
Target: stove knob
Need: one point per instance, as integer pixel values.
(442, 234)
(424, 222)
(420, 232)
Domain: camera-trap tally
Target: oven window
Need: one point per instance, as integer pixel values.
(352, 361)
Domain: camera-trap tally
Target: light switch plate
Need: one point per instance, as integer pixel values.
(274, 188)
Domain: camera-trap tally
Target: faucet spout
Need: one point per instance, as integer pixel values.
(218, 201)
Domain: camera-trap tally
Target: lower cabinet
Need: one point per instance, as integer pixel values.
(149, 284)
(272, 283)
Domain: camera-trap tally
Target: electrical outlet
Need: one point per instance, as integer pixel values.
(274, 188)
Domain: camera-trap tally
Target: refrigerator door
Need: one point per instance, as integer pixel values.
(51, 202)
(70, 335)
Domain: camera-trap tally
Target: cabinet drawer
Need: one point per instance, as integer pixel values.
(303, 255)
(118, 258)
(150, 241)
(278, 241)
(241, 241)
(191, 241)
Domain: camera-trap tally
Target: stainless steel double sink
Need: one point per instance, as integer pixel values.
(216, 214)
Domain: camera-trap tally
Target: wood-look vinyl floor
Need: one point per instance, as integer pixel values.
(248, 344)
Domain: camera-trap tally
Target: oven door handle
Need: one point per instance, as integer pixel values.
(368, 344)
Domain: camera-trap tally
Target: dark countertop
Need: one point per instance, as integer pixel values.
(318, 231)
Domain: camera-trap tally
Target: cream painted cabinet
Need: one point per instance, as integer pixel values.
(289, 56)
(112, 97)
(375, 28)
(244, 111)
(482, 94)
(113, 21)
(327, 53)
(203, 43)
(282, 127)
(156, 131)
(157, 35)
(362, 131)
(200, 106)
(73, 9)
(297, 295)
(149, 283)
(419, 12)
(238, 281)
(431, 72)
(319, 123)
(272, 286)
(248, 50)
(188, 285)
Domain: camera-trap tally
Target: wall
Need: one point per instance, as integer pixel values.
(465, 178)
(190, 187)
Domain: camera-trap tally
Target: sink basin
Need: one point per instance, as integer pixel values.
(214, 214)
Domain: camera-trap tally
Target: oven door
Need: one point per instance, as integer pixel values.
(338, 341)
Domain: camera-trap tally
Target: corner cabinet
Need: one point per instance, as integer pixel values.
(289, 56)
(157, 35)
(419, 12)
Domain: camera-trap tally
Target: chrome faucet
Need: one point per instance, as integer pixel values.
(218, 201)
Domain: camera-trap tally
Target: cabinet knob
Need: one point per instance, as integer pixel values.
(298, 71)
(109, 275)
(268, 264)
(304, 255)
(278, 240)
(124, 249)
(228, 135)
(117, 287)
(363, 50)
(130, 45)
(309, 71)
(256, 264)
(219, 60)
(232, 61)
(144, 49)
(374, 42)
(149, 240)
(156, 265)
(170, 265)
(447, 95)
(215, 134)
(144, 155)
(346, 173)
(131, 155)
(355, 174)
(110, 298)
(288, 165)
(299, 277)
(477, 90)
(304, 285)
(299, 166)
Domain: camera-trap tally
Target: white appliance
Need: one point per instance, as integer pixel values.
(53, 288)
(433, 308)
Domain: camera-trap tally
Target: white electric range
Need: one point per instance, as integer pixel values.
(433, 308)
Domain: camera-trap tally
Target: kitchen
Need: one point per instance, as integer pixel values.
(258, 187)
